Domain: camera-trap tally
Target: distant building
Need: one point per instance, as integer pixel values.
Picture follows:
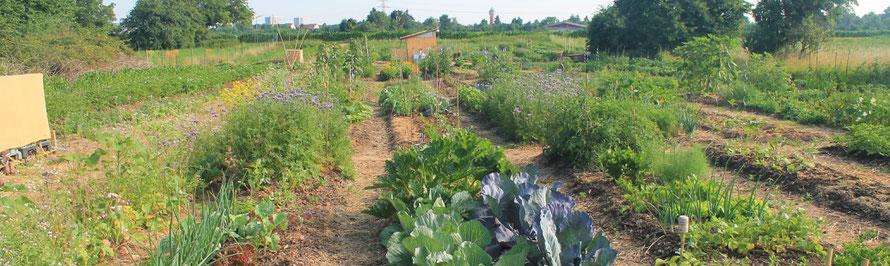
(300, 21)
(274, 20)
(491, 16)
(290, 25)
(418, 45)
(564, 26)
(309, 26)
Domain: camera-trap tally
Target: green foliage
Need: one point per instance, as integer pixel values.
(795, 25)
(436, 232)
(456, 161)
(471, 97)
(680, 164)
(389, 72)
(275, 141)
(854, 253)
(173, 24)
(647, 27)
(623, 163)
(582, 130)
(707, 63)
(492, 66)
(412, 96)
(773, 233)
(541, 223)
(82, 103)
(194, 241)
(260, 229)
(437, 64)
(866, 139)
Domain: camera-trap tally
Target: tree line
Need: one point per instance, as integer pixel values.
(402, 20)
(647, 27)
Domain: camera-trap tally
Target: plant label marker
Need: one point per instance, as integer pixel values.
(683, 228)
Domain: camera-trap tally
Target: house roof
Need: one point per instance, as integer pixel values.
(565, 23)
(418, 33)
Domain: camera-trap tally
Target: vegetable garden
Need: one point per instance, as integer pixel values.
(495, 152)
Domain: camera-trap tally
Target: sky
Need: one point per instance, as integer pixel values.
(466, 11)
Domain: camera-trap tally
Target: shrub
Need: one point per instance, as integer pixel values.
(456, 161)
(388, 72)
(436, 64)
(411, 96)
(282, 137)
(707, 63)
(866, 139)
(581, 131)
(763, 73)
(623, 163)
(471, 97)
(680, 164)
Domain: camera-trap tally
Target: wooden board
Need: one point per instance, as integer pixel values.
(23, 120)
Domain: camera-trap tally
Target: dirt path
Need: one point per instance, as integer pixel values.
(334, 231)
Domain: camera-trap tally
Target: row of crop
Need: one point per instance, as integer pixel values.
(116, 200)
(580, 124)
(85, 102)
(457, 200)
(856, 99)
(280, 131)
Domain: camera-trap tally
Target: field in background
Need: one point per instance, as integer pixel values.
(844, 52)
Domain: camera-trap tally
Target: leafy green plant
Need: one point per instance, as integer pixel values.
(260, 230)
(868, 140)
(854, 253)
(435, 232)
(773, 233)
(583, 130)
(437, 64)
(457, 161)
(707, 63)
(287, 137)
(471, 97)
(621, 163)
(521, 213)
(410, 97)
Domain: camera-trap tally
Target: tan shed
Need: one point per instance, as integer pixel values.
(417, 45)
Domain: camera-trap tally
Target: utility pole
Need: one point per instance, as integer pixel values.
(383, 6)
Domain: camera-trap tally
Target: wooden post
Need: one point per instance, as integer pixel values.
(830, 256)
(865, 262)
(53, 142)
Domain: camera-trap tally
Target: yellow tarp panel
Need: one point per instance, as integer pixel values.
(23, 120)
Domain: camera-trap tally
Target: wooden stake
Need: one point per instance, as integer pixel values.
(830, 256)
(865, 262)
(53, 141)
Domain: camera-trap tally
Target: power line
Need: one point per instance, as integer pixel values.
(383, 5)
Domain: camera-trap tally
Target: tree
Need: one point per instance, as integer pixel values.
(575, 19)
(787, 23)
(92, 13)
(164, 24)
(430, 23)
(447, 23)
(549, 20)
(348, 25)
(645, 27)
(221, 12)
(401, 20)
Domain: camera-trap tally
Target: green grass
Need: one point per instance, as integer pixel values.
(84, 103)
